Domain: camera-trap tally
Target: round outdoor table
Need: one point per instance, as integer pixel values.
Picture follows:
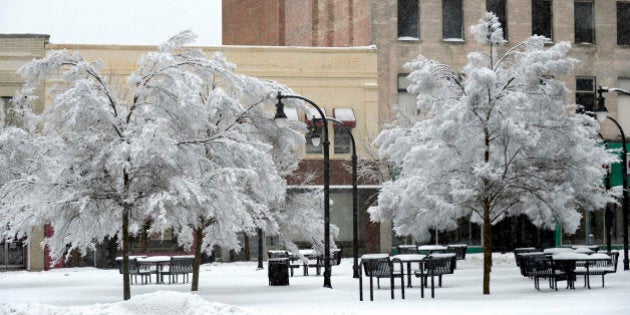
(557, 250)
(158, 262)
(429, 249)
(408, 259)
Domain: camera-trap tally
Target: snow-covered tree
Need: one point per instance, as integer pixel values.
(192, 149)
(496, 140)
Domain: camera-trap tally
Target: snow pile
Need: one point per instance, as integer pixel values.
(160, 302)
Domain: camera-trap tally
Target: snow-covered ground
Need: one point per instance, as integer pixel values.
(238, 288)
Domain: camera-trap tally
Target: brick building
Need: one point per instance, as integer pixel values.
(403, 29)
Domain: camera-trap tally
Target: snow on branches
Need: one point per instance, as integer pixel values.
(497, 139)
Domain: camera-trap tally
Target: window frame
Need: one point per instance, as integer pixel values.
(550, 8)
(342, 141)
(503, 17)
(414, 20)
(592, 22)
(7, 110)
(401, 84)
(460, 21)
(582, 92)
(623, 38)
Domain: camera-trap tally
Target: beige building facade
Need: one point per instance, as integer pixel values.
(334, 78)
(594, 28)
(599, 31)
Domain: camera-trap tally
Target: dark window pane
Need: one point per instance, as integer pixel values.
(498, 8)
(408, 18)
(585, 92)
(586, 100)
(585, 84)
(623, 23)
(452, 19)
(541, 18)
(342, 141)
(584, 22)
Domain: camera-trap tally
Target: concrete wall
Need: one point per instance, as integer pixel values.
(15, 51)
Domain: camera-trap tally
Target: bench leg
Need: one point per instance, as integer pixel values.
(402, 285)
(371, 289)
(391, 286)
(360, 288)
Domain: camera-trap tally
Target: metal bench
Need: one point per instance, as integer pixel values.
(380, 266)
(179, 266)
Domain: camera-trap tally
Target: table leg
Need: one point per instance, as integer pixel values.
(588, 276)
(408, 274)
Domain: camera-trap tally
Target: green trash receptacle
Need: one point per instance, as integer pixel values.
(278, 271)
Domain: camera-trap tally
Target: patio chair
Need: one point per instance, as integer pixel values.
(136, 270)
(521, 250)
(544, 267)
(458, 249)
(435, 265)
(598, 267)
(381, 268)
(179, 266)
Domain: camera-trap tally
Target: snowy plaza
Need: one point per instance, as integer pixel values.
(238, 288)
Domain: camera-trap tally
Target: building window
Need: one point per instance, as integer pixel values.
(585, 93)
(342, 140)
(584, 25)
(623, 23)
(310, 148)
(7, 110)
(406, 100)
(498, 8)
(452, 17)
(408, 19)
(542, 18)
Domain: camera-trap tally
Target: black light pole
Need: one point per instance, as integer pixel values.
(281, 121)
(355, 201)
(260, 249)
(608, 213)
(601, 114)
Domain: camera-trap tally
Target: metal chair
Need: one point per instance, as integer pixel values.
(381, 267)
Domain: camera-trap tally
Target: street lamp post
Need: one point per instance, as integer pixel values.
(281, 121)
(601, 114)
(260, 249)
(355, 201)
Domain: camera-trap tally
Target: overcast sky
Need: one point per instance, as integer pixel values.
(144, 22)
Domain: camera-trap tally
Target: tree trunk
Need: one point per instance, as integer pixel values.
(197, 261)
(125, 238)
(487, 246)
(125, 253)
(247, 250)
(487, 228)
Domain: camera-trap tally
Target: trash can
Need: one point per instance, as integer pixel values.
(278, 271)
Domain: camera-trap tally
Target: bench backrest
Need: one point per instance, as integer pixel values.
(439, 265)
(460, 251)
(134, 267)
(406, 249)
(528, 264)
(181, 265)
(379, 267)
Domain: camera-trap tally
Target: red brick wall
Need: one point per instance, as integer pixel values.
(338, 23)
(251, 22)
